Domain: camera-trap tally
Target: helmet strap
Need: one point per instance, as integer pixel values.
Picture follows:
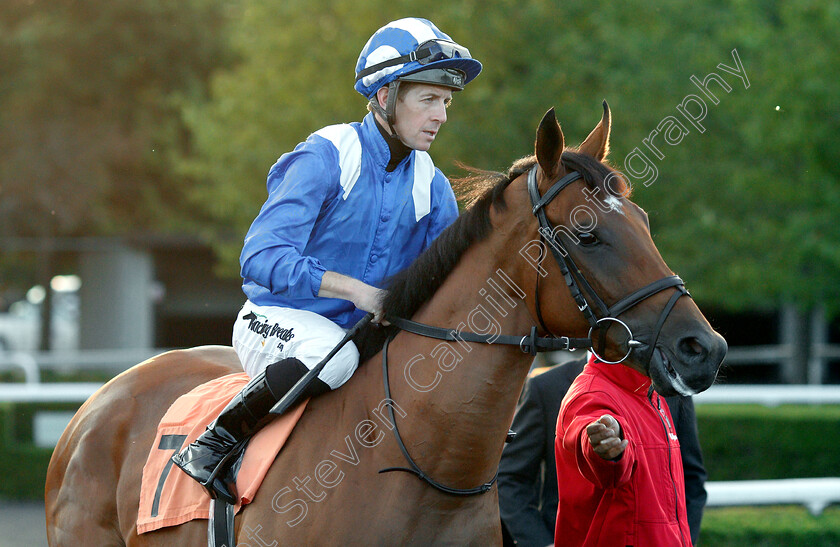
(389, 113)
(391, 105)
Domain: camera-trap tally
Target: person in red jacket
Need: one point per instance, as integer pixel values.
(619, 472)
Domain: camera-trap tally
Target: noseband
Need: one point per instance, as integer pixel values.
(575, 280)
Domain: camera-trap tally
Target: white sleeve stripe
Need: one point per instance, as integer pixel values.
(346, 141)
(424, 172)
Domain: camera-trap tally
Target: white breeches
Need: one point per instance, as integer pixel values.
(263, 335)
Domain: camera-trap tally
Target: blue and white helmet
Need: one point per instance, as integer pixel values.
(405, 49)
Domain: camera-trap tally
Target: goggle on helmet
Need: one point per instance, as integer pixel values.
(413, 49)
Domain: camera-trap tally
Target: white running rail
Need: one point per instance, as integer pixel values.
(815, 494)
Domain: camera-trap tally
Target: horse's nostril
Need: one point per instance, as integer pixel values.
(691, 347)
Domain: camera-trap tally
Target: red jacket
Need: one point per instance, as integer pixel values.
(638, 500)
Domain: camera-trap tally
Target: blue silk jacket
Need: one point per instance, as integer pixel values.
(332, 207)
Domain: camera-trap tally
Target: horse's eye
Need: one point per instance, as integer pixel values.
(588, 239)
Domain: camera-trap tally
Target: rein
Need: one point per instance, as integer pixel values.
(530, 343)
(415, 469)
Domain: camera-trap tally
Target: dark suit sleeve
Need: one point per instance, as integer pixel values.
(520, 474)
(685, 422)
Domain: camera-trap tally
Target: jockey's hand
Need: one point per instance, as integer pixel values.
(369, 299)
(363, 296)
(605, 437)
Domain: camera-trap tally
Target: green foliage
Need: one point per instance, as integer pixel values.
(22, 464)
(745, 442)
(745, 211)
(24, 483)
(769, 527)
(89, 111)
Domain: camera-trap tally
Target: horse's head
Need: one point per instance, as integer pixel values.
(596, 255)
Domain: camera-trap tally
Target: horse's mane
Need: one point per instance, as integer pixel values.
(409, 289)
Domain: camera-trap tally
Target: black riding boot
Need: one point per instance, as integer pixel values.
(208, 458)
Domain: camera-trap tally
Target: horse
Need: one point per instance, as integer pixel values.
(529, 266)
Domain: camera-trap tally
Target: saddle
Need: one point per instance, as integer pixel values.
(168, 496)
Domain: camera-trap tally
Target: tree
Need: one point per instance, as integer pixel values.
(90, 104)
(744, 210)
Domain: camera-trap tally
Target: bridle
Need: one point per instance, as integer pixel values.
(575, 280)
(605, 317)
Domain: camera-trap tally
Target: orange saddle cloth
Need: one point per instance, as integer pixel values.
(168, 496)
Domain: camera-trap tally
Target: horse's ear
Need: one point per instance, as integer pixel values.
(597, 144)
(549, 145)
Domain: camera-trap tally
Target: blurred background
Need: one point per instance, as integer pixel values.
(135, 138)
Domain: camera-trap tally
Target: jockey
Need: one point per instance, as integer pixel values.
(352, 205)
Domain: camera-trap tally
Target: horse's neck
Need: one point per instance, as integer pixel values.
(459, 397)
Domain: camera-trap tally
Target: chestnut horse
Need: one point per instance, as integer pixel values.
(515, 259)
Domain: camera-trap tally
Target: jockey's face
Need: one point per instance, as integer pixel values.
(420, 111)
